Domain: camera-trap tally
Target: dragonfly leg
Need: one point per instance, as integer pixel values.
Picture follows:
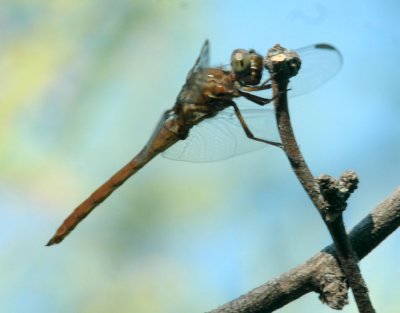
(266, 81)
(259, 100)
(248, 132)
(264, 86)
(256, 99)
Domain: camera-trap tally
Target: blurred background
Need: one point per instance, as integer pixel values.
(82, 86)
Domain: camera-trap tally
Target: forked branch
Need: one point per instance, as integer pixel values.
(328, 195)
(321, 273)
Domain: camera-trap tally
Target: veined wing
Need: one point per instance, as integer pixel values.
(319, 63)
(222, 137)
(203, 61)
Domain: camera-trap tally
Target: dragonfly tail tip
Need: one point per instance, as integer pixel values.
(52, 241)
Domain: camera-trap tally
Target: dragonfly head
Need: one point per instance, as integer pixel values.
(247, 66)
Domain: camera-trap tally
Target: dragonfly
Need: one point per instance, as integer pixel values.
(205, 116)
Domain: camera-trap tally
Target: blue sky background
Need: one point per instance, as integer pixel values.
(83, 85)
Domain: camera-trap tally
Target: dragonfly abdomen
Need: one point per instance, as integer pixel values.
(162, 139)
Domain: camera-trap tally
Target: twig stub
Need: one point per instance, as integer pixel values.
(336, 192)
(282, 63)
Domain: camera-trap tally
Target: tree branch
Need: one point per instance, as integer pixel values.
(322, 272)
(327, 194)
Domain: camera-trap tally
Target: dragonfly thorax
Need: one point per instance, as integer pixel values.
(206, 86)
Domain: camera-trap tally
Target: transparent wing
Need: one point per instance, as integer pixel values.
(203, 61)
(319, 63)
(222, 137)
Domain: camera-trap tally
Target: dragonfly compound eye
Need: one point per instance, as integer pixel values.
(240, 60)
(247, 66)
